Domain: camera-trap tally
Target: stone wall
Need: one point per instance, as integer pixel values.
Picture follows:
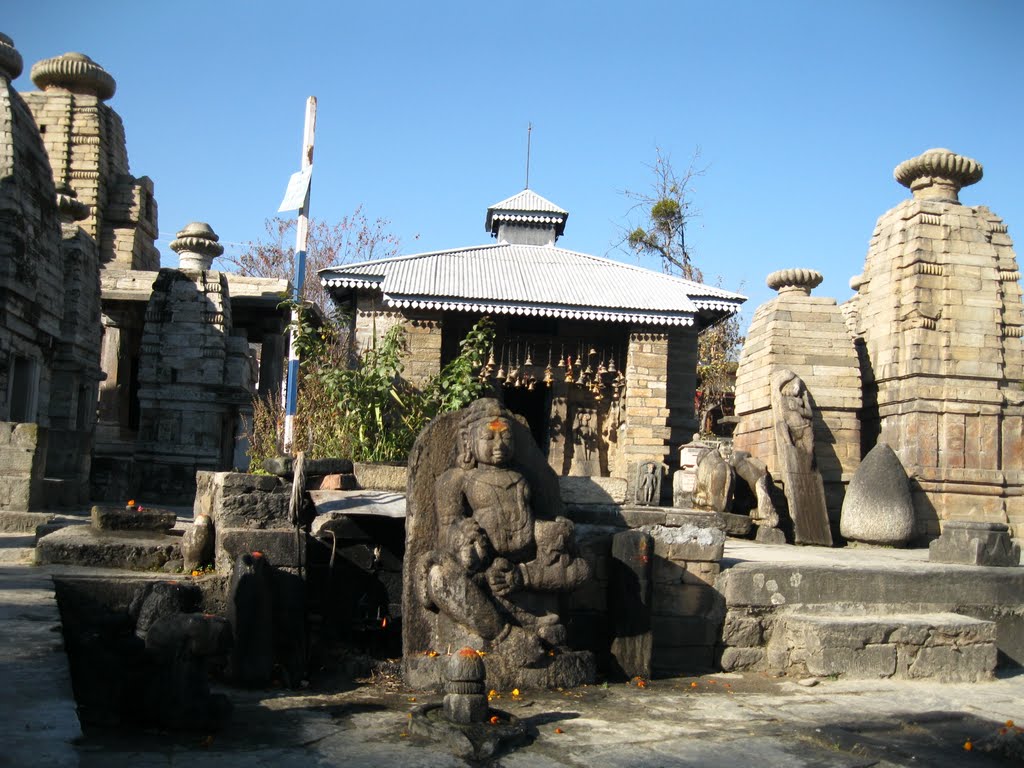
(657, 404)
(938, 310)
(807, 335)
(22, 460)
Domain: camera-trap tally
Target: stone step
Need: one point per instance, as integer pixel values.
(86, 546)
(938, 646)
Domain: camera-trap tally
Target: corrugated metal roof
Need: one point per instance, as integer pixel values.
(533, 279)
(527, 206)
(530, 201)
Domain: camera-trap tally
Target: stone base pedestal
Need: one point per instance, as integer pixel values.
(972, 543)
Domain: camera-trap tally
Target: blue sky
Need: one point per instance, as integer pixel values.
(801, 110)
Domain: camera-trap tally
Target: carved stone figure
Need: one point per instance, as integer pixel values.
(794, 445)
(713, 488)
(756, 501)
(648, 484)
(486, 556)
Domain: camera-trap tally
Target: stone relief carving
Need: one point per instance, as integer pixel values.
(486, 557)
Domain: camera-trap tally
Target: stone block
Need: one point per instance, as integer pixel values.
(684, 630)
(381, 477)
(592, 490)
(111, 518)
(84, 545)
(741, 631)
(975, 543)
(282, 548)
(687, 542)
(685, 600)
(741, 659)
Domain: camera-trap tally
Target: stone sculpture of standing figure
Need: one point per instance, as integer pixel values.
(794, 445)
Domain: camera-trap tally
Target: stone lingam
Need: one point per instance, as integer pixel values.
(488, 555)
(464, 721)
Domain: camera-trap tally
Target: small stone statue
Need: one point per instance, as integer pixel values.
(715, 479)
(482, 569)
(648, 484)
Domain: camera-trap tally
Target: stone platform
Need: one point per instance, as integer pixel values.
(880, 593)
(86, 546)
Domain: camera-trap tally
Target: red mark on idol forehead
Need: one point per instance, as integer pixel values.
(498, 425)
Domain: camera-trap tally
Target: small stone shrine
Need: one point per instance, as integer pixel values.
(487, 555)
(806, 335)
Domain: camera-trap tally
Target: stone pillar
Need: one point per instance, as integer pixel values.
(423, 337)
(647, 433)
(807, 335)
(938, 311)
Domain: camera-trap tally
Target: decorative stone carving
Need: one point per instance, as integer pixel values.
(10, 60)
(487, 553)
(715, 479)
(878, 508)
(648, 484)
(74, 72)
(938, 174)
(798, 280)
(975, 543)
(197, 246)
(197, 544)
(754, 475)
(794, 442)
(465, 696)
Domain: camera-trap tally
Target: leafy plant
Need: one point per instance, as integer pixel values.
(364, 409)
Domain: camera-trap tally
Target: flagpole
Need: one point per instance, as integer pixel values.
(301, 236)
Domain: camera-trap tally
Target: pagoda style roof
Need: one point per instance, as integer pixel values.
(538, 280)
(527, 206)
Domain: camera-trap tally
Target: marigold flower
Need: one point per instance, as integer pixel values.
(495, 719)
(559, 730)
(131, 502)
(1009, 723)
(515, 692)
(693, 685)
(968, 745)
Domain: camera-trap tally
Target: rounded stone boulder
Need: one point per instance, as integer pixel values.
(878, 508)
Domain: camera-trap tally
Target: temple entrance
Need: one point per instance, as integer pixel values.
(534, 405)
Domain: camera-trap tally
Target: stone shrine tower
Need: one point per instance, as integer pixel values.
(938, 314)
(807, 335)
(85, 140)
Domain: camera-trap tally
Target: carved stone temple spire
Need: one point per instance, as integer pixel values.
(196, 246)
(10, 59)
(938, 174)
(74, 72)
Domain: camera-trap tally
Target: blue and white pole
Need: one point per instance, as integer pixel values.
(301, 236)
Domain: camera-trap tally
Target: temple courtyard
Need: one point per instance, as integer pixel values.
(720, 719)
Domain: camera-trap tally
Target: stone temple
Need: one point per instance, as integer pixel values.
(117, 378)
(926, 357)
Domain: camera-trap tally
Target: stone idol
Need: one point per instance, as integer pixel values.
(794, 442)
(487, 555)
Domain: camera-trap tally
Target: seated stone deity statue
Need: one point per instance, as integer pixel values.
(490, 571)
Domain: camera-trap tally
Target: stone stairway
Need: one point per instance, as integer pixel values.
(946, 646)
(856, 613)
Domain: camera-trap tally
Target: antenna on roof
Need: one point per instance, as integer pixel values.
(529, 130)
